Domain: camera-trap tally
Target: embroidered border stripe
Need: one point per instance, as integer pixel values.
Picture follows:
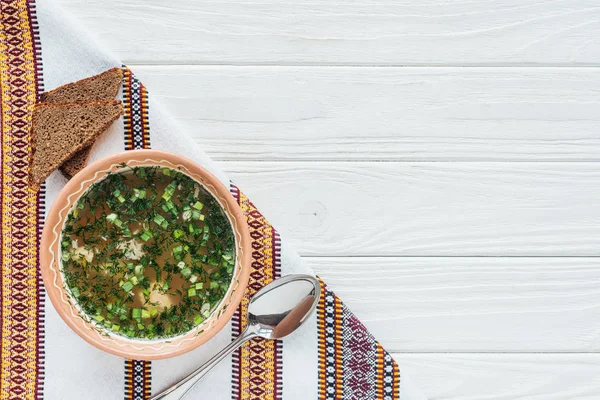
(138, 379)
(41, 207)
(138, 376)
(388, 376)
(21, 289)
(257, 365)
(330, 356)
(352, 364)
(135, 104)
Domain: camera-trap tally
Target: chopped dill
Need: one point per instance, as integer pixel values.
(147, 253)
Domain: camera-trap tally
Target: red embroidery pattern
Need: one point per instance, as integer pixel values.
(257, 365)
(138, 377)
(352, 364)
(22, 208)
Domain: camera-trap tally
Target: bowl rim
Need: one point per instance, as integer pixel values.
(137, 348)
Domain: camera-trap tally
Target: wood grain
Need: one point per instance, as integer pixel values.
(429, 208)
(372, 32)
(471, 236)
(408, 114)
(472, 304)
(504, 376)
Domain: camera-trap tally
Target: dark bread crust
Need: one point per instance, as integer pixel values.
(42, 165)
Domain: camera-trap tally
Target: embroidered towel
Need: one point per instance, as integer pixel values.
(332, 357)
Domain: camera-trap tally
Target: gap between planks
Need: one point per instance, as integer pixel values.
(158, 64)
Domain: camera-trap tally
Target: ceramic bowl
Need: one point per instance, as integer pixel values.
(141, 349)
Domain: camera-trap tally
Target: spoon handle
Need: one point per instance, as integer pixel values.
(181, 388)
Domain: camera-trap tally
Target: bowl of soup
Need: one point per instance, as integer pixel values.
(145, 254)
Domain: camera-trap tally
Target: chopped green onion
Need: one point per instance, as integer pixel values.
(66, 256)
(186, 272)
(146, 235)
(159, 219)
(112, 217)
(189, 253)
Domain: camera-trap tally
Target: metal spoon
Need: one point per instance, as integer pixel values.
(274, 312)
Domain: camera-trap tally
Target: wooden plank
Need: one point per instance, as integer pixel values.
(472, 304)
(379, 32)
(504, 376)
(447, 114)
(429, 208)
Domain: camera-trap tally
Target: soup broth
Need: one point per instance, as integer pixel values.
(147, 253)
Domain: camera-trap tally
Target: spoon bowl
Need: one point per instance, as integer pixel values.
(283, 305)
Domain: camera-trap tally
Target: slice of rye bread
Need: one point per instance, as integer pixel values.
(104, 86)
(59, 130)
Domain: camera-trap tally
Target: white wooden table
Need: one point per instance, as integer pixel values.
(436, 161)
